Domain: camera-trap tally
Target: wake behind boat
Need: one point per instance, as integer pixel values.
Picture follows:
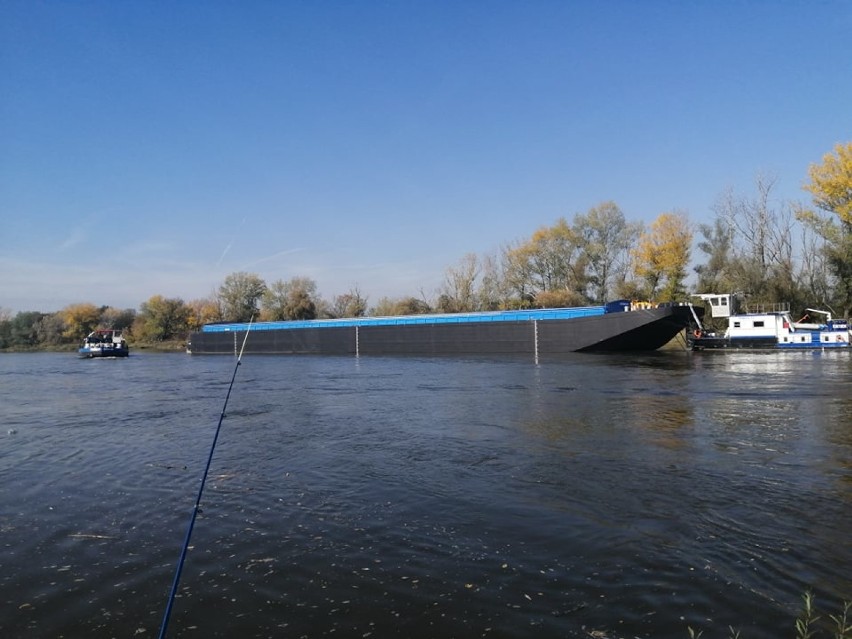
(104, 343)
(769, 328)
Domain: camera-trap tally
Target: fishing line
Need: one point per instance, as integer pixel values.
(196, 508)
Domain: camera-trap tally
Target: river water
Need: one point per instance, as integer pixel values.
(598, 495)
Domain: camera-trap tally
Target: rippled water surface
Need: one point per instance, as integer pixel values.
(629, 496)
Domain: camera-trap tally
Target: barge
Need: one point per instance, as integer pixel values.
(617, 326)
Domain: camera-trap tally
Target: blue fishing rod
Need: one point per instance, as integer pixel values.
(165, 624)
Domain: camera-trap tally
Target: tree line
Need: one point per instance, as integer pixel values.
(765, 249)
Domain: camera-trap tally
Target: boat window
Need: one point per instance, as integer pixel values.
(758, 323)
(714, 301)
(724, 301)
(736, 324)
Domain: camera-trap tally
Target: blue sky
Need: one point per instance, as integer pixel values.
(153, 148)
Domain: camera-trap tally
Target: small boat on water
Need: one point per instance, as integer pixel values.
(767, 328)
(104, 343)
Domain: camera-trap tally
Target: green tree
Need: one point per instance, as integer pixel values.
(24, 329)
(50, 330)
(717, 243)
(5, 327)
(607, 238)
(294, 299)
(239, 295)
(161, 319)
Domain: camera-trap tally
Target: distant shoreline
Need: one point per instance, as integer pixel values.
(171, 346)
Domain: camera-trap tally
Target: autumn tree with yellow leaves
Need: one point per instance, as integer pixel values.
(204, 311)
(830, 187)
(661, 257)
(831, 183)
(549, 269)
(79, 320)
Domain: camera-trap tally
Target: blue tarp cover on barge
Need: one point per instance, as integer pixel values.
(454, 318)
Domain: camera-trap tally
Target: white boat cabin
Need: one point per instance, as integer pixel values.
(758, 325)
(720, 305)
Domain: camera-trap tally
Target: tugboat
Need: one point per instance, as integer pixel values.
(104, 343)
(768, 328)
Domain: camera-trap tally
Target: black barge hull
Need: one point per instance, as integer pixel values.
(633, 330)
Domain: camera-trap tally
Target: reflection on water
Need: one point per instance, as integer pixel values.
(625, 495)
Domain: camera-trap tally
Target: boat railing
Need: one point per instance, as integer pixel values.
(772, 307)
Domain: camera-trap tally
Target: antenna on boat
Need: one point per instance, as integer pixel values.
(196, 508)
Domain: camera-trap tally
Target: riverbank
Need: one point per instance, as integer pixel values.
(171, 346)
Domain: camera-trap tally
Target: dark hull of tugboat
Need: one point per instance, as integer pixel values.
(93, 353)
(709, 343)
(726, 344)
(466, 335)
